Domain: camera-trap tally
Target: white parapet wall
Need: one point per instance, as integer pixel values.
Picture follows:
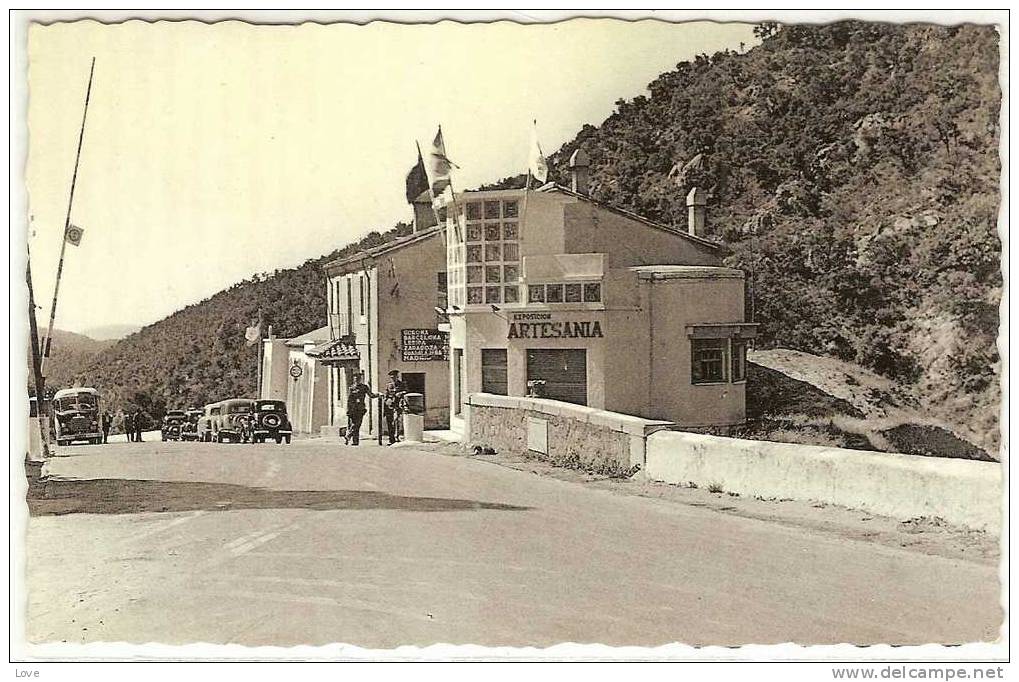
(962, 492)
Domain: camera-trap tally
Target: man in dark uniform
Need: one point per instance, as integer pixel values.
(107, 422)
(392, 404)
(138, 419)
(129, 426)
(356, 409)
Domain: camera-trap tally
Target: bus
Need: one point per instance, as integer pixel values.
(77, 416)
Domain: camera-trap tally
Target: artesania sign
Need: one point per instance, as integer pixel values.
(542, 326)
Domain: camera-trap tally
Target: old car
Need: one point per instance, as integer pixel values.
(228, 426)
(173, 424)
(76, 413)
(189, 429)
(205, 426)
(271, 422)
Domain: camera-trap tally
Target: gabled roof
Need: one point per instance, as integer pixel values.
(354, 262)
(553, 187)
(317, 336)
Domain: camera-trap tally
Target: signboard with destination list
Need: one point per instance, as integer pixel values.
(423, 345)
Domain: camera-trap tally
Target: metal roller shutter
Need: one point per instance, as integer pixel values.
(564, 371)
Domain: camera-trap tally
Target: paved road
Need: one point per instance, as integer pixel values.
(317, 543)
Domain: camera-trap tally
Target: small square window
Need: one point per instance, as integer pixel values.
(510, 252)
(475, 295)
(491, 232)
(491, 210)
(493, 294)
(509, 209)
(474, 274)
(509, 231)
(474, 210)
(441, 214)
(510, 273)
(554, 293)
(574, 293)
(536, 293)
(511, 294)
(492, 274)
(592, 293)
(474, 232)
(492, 253)
(473, 254)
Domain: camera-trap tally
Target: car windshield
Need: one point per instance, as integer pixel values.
(84, 401)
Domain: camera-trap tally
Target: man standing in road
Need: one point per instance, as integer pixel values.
(107, 422)
(129, 426)
(138, 419)
(356, 409)
(392, 404)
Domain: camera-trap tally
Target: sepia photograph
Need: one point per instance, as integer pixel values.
(510, 335)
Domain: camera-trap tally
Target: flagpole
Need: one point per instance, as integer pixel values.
(41, 409)
(442, 228)
(258, 380)
(67, 221)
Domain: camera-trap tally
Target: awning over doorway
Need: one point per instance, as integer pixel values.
(334, 352)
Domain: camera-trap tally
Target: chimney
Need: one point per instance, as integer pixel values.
(579, 171)
(696, 202)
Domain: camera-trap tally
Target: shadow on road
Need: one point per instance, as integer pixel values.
(120, 496)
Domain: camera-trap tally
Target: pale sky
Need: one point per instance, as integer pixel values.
(215, 152)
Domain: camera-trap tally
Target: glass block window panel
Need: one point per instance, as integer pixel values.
(474, 210)
(510, 231)
(474, 232)
(475, 295)
(491, 210)
(492, 274)
(574, 293)
(536, 293)
(554, 293)
(592, 293)
(511, 294)
(493, 294)
(510, 253)
(510, 273)
(473, 254)
(492, 232)
(510, 209)
(474, 274)
(492, 253)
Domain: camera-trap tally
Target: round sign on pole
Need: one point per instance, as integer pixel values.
(296, 371)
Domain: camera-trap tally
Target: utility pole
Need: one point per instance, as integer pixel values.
(67, 221)
(41, 407)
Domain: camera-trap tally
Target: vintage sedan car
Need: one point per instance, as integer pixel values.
(189, 429)
(173, 424)
(271, 422)
(229, 425)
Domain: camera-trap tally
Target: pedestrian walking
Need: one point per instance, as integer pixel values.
(139, 422)
(392, 404)
(107, 422)
(356, 409)
(129, 426)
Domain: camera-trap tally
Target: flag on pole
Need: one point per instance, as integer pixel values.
(73, 235)
(439, 164)
(253, 334)
(417, 179)
(537, 166)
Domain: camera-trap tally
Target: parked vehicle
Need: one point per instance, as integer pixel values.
(227, 426)
(173, 424)
(189, 428)
(207, 422)
(76, 413)
(271, 422)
